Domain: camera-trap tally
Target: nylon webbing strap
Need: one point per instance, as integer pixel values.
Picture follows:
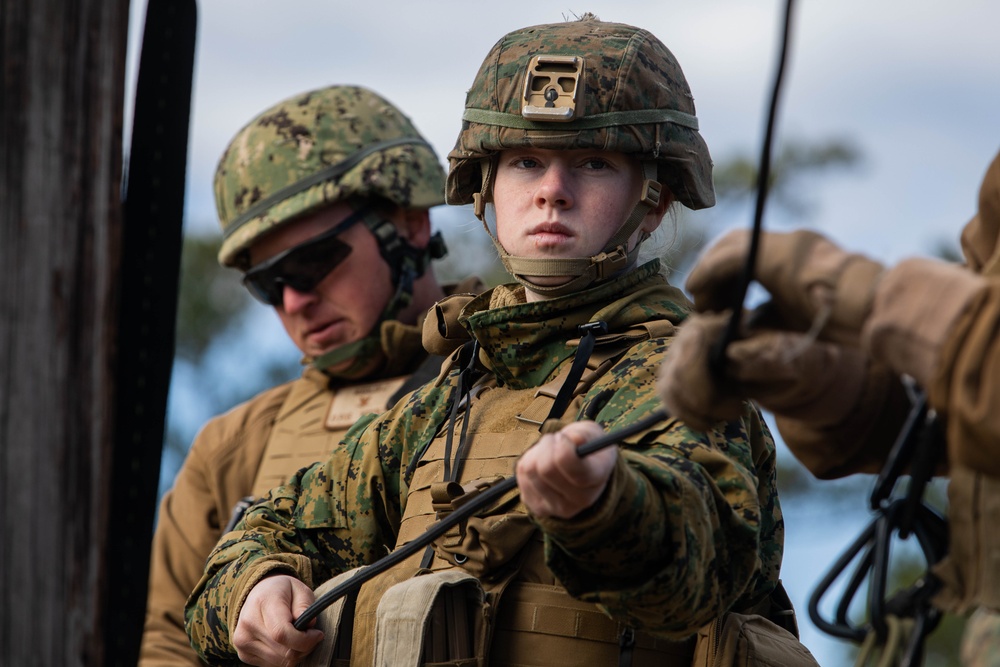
(892, 651)
(543, 266)
(580, 360)
(151, 242)
(649, 199)
(592, 122)
(453, 465)
(534, 614)
(601, 359)
(467, 359)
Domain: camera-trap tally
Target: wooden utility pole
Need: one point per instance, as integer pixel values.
(87, 307)
(60, 229)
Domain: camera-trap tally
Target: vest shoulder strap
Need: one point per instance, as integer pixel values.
(605, 356)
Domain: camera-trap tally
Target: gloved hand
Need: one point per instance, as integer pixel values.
(813, 283)
(785, 372)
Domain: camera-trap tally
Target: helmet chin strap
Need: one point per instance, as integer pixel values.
(406, 264)
(584, 271)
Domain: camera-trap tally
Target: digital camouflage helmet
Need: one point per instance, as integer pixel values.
(583, 84)
(306, 152)
(339, 143)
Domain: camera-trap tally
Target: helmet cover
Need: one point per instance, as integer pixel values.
(312, 150)
(630, 96)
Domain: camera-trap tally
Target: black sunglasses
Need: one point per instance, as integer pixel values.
(301, 267)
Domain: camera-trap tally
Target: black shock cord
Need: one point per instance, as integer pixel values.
(460, 514)
(917, 447)
(717, 359)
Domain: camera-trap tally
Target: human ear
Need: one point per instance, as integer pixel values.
(414, 226)
(654, 217)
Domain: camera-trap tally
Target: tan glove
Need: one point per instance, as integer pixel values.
(785, 372)
(813, 283)
(837, 411)
(981, 236)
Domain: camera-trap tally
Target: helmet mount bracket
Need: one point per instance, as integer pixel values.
(551, 88)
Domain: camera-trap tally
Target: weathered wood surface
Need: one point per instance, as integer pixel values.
(60, 228)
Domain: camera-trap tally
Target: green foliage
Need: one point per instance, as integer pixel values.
(736, 185)
(947, 250)
(736, 178)
(941, 647)
(211, 297)
(470, 250)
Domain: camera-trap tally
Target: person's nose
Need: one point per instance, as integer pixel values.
(555, 188)
(294, 301)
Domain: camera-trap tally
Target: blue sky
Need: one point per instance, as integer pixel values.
(915, 85)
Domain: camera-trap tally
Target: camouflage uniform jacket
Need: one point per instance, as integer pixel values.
(220, 469)
(689, 528)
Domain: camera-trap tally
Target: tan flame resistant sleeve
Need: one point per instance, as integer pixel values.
(939, 323)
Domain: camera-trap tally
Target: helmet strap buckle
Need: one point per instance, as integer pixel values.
(650, 194)
(607, 264)
(480, 198)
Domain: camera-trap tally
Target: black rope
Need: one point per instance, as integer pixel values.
(463, 512)
(462, 398)
(717, 359)
(917, 448)
(465, 353)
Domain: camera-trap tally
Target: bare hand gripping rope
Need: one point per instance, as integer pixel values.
(460, 514)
